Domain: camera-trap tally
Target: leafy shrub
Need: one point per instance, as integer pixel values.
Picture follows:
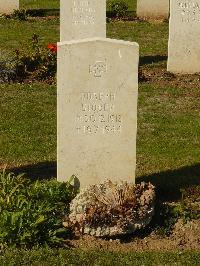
(165, 219)
(18, 14)
(118, 7)
(32, 213)
(190, 203)
(191, 194)
(7, 71)
(188, 208)
(36, 63)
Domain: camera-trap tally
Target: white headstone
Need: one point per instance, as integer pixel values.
(81, 19)
(8, 6)
(184, 37)
(153, 9)
(97, 110)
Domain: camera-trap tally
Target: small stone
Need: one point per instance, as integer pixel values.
(98, 231)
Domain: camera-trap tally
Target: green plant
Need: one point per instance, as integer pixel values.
(118, 7)
(18, 14)
(186, 209)
(165, 218)
(191, 194)
(7, 71)
(42, 256)
(32, 213)
(37, 62)
(190, 203)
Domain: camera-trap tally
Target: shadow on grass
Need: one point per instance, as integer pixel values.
(147, 60)
(168, 183)
(43, 170)
(43, 12)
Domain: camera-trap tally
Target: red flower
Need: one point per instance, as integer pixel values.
(52, 47)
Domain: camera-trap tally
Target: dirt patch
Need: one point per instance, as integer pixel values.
(159, 76)
(184, 236)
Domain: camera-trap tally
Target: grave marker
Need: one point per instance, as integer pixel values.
(184, 37)
(81, 19)
(97, 110)
(153, 9)
(8, 6)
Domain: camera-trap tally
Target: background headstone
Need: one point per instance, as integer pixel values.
(8, 6)
(81, 19)
(153, 9)
(97, 110)
(184, 37)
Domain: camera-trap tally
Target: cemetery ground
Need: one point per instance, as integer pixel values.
(54, 4)
(167, 144)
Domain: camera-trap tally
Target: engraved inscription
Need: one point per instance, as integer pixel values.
(97, 114)
(83, 13)
(98, 69)
(190, 11)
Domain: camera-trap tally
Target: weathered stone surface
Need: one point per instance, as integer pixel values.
(8, 6)
(154, 9)
(81, 19)
(97, 110)
(184, 37)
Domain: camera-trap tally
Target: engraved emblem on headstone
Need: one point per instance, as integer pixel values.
(98, 68)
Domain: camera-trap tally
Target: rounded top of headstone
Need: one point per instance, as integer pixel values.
(98, 39)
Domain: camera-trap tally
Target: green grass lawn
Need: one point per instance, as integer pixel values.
(49, 257)
(151, 37)
(28, 123)
(18, 35)
(37, 4)
(55, 4)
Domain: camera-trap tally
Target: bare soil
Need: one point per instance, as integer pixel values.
(160, 77)
(185, 236)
